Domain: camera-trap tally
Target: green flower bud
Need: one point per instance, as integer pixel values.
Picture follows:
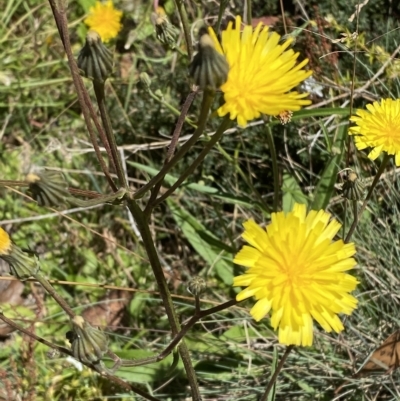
(145, 80)
(48, 188)
(197, 286)
(95, 61)
(353, 188)
(209, 69)
(22, 264)
(166, 32)
(88, 343)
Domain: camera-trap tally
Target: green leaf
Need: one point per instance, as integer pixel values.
(326, 185)
(203, 241)
(292, 193)
(199, 187)
(143, 374)
(86, 4)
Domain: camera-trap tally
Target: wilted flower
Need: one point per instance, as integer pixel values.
(296, 272)
(262, 73)
(378, 128)
(105, 20)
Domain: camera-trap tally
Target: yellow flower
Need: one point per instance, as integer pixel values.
(262, 73)
(378, 128)
(5, 243)
(105, 20)
(296, 271)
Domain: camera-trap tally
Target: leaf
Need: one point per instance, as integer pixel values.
(203, 241)
(326, 185)
(147, 373)
(292, 193)
(202, 188)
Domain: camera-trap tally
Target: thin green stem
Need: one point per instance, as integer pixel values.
(208, 98)
(154, 260)
(199, 314)
(382, 167)
(248, 13)
(171, 108)
(52, 292)
(180, 6)
(222, 7)
(88, 112)
(275, 170)
(171, 147)
(276, 373)
(105, 118)
(225, 124)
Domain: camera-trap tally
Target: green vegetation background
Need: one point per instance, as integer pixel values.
(198, 230)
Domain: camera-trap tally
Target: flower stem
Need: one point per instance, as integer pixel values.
(208, 98)
(172, 146)
(186, 28)
(225, 124)
(144, 230)
(199, 314)
(59, 12)
(382, 167)
(248, 18)
(105, 118)
(276, 373)
(52, 292)
(275, 171)
(222, 7)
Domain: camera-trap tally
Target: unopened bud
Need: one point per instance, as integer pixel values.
(209, 69)
(95, 61)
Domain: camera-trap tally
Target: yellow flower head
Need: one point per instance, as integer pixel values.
(378, 128)
(5, 243)
(296, 271)
(262, 73)
(105, 20)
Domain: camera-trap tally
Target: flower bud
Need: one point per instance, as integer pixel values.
(353, 188)
(145, 80)
(48, 188)
(95, 61)
(22, 264)
(88, 343)
(197, 285)
(166, 32)
(209, 69)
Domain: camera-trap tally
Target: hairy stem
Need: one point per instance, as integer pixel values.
(205, 108)
(144, 230)
(225, 124)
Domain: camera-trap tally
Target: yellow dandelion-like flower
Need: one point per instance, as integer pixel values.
(296, 271)
(378, 128)
(105, 20)
(5, 243)
(262, 73)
